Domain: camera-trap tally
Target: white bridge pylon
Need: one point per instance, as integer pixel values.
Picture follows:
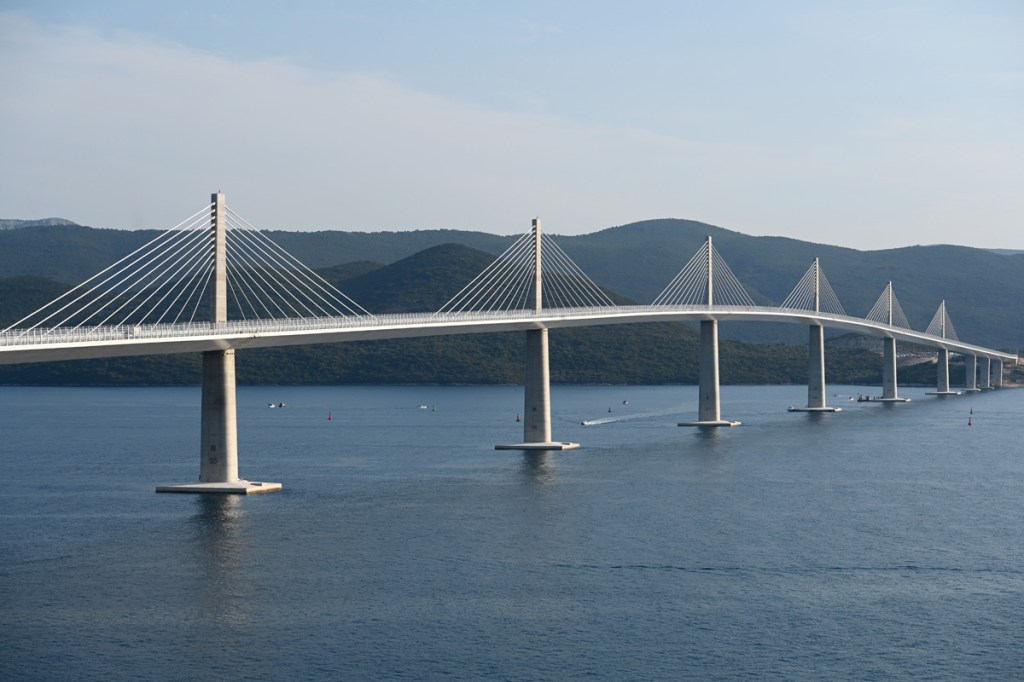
(814, 293)
(532, 274)
(942, 326)
(173, 279)
(522, 279)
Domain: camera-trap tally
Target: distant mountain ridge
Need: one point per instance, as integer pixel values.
(15, 224)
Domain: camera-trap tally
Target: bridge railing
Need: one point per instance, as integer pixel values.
(46, 336)
(114, 333)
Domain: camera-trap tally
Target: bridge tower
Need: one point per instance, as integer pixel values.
(709, 405)
(218, 449)
(816, 358)
(537, 381)
(942, 362)
(890, 390)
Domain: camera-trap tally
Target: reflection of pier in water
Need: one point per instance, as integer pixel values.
(539, 468)
(220, 596)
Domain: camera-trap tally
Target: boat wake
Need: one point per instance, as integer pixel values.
(678, 409)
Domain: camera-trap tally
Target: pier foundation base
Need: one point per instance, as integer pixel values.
(538, 446)
(239, 487)
(814, 409)
(711, 424)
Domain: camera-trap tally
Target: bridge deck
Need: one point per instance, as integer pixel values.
(40, 345)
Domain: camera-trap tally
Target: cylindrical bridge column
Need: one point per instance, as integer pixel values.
(971, 372)
(997, 373)
(816, 368)
(537, 398)
(986, 373)
(709, 404)
(709, 407)
(816, 358)
(889, 388)
(942, 372)
(816, 374)
(218, 452)
(537, 389)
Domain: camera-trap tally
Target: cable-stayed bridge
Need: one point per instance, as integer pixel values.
(214, 284)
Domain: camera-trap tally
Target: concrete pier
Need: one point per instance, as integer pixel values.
(537, 398)
(997, 373)
(986, 374)
(890, 392)
(816, 374)
(971, 373)
(218, 448)
(709, 409)
(942, 375)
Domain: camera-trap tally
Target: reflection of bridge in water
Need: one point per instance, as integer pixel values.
(174, 295)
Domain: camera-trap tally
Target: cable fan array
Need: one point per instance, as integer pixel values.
(690, 285)
(168, 281)
(508, 282)
(887, 310)
(941, 325)
(803, 295)
(265, 281)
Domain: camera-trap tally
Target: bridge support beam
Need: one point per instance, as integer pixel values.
(218, 449)
(997, 373)
(816, 374)
(537, 398)
(971, 373)
(709, 406)
(986, 374)
(942, 375)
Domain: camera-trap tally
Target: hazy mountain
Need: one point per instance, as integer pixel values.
(13, 224)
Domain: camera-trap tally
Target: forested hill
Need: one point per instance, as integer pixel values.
(982, 289)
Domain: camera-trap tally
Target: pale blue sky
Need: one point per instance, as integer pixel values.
(864, 124)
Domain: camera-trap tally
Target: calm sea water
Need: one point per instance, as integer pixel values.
(883, 542)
